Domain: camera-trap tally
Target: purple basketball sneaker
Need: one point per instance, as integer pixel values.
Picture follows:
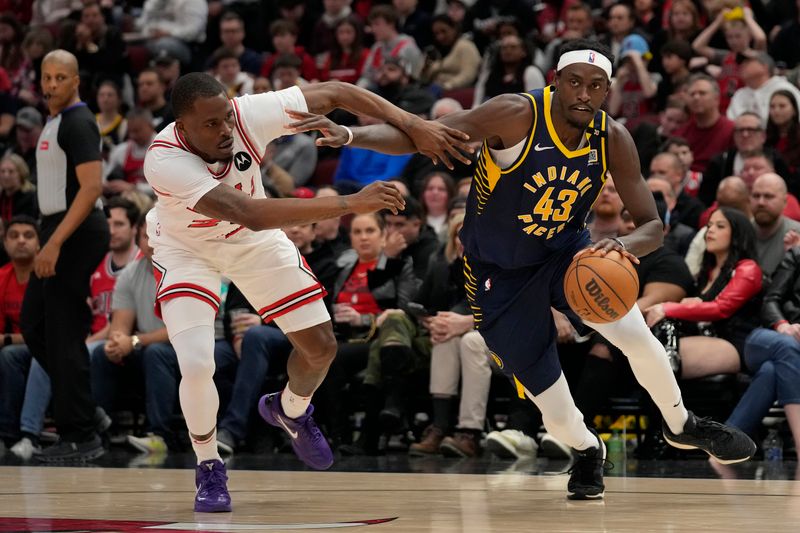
(211, 480)
(308, 441)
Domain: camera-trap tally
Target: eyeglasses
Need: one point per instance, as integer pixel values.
(748, 131)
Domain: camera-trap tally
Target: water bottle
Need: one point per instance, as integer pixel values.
(615, 448)
(773, 446)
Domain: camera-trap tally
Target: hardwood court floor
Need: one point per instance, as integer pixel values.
(147, 499)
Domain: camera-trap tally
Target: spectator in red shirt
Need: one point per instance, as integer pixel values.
(708, 131)
(21, 243)
(284, 39)
(347, 55)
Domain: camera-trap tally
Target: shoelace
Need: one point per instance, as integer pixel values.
(214, 482)
(313, 429)
(583, 464)
(707, 425)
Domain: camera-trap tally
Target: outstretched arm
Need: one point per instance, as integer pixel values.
(431, 139)
(226, 203)
(503, 121)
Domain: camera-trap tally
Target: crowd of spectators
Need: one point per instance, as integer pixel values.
(708, 89)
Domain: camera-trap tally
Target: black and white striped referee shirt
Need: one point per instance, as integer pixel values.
(67, 140)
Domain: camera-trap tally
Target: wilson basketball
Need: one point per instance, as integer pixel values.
(601, 289)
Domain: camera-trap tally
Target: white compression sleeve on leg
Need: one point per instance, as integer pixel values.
(649, 363)
(561, 417)
(198, 394)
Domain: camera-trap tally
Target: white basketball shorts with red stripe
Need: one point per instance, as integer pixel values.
(266, 266)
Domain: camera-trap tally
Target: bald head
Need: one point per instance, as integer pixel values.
(768, 199)
(60, 80)
(732, 192)
(771, 181)
(62, 58)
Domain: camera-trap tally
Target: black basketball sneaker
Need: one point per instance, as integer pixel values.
(724, 443)
(586, 475)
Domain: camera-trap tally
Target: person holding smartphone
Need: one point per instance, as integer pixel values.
(459, 353)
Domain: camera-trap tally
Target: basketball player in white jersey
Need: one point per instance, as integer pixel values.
(212, 219)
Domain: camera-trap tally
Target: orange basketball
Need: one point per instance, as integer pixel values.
(601, 289)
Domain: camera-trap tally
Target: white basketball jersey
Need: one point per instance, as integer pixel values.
(180, 177)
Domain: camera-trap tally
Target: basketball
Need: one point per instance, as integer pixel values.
(601, 289)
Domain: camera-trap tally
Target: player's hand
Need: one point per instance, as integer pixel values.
(333, 135)
(566, 332)
(439, 142)
(654, 314)
(376, 196)
(607, 245)
(395, 244)
(44, 265)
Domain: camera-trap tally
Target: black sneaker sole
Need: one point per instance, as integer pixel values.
(717, 459)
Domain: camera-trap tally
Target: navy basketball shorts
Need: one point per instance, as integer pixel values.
(512, 313)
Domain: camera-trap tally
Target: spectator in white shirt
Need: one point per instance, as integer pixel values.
(757, 73)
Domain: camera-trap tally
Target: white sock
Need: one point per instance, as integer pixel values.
(561, 417)
(194, 347)
(293, 404)
(649, 363)
(206, 449)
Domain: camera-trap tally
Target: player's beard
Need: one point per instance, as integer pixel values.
(576, 123)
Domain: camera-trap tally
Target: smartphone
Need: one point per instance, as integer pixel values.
(417, 310)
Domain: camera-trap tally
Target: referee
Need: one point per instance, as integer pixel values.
(55, 315)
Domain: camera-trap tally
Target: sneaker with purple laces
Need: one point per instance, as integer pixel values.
(211, 480)
(308, 441)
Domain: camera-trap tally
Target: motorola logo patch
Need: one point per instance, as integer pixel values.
(242, 160)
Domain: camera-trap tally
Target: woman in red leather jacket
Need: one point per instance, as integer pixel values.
(730, 288)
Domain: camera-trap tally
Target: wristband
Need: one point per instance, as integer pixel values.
(349, 135)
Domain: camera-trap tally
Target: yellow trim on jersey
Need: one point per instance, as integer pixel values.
(548, 91)
(604, 129)
(603, 161)
(531, 135)
(520, 388)
(492, 170)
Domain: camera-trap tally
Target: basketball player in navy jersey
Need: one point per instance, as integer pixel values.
(544, 160)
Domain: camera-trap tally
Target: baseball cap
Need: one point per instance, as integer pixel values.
(29, 118)
(635, 43)
(164, 58)
(399, 62)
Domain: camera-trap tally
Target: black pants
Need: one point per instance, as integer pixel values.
(56, 320)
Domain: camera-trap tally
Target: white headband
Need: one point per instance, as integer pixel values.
(590, 57)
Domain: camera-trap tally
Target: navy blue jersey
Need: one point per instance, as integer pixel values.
(521, 215)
